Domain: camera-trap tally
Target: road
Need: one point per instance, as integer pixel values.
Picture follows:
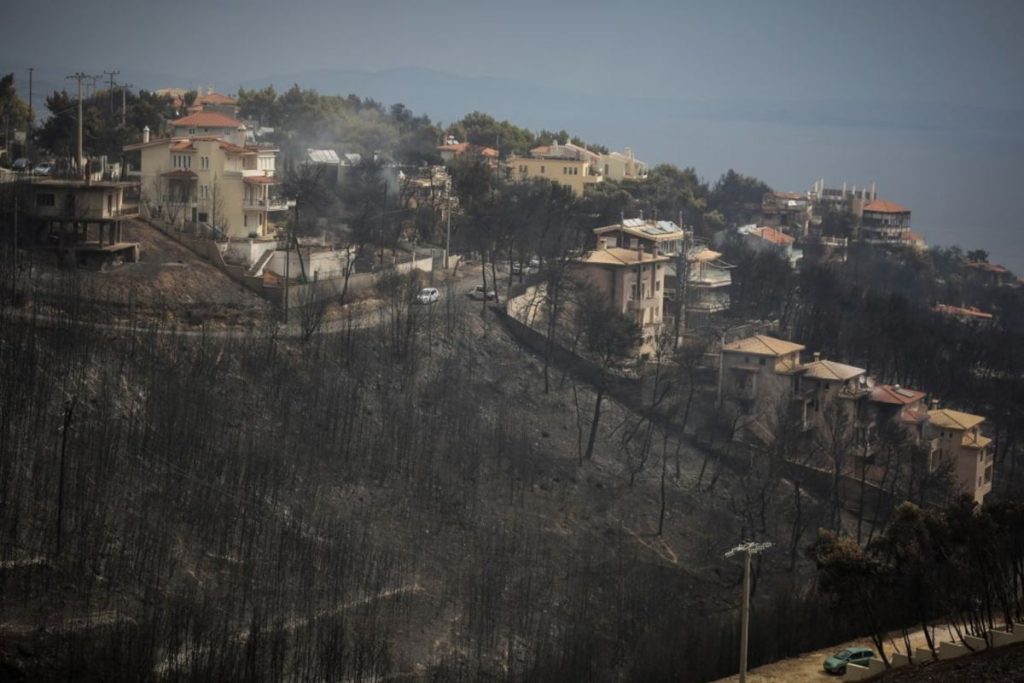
(806, 668)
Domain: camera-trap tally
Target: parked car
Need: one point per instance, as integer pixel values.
(534, 263)
(428, 295)
(517, 267)
(481, 294)
(21, 165)
(45, 168)
(836, 664)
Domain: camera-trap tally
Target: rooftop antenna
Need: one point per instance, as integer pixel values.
(748, 549)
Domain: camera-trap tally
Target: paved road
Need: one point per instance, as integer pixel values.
(806, 668)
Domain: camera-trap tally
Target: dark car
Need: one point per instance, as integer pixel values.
(836, 664)
(21, 165)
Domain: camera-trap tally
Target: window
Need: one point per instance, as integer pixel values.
(191, 131)
(45, 199)
(762, 362)
(541, 169)
(203, 218)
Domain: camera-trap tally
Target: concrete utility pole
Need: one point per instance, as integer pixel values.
(748, 549)
(80, 160)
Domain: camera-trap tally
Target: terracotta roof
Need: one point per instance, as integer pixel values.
(179, 173)
(488, 152)
(704, 255)
(207, 119)
(771, 235)
(260, 179)
(831, 371)
(182, 146)
(954, 419)
(763, 345)
(974, 440)
(617, 256)
(960, 311)
(215, 98)
(988, 267)
(457, 148)
(911, 236)
(887, 393)
(885, 206)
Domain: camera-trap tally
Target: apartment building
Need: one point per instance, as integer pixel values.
(633, 280)
(708, 278)
(206, 175)
(955, 438)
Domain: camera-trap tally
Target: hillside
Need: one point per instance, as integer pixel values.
(402, 500)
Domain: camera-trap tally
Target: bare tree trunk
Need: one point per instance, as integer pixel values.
(594, 423)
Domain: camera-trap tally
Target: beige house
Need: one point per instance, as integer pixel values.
(622, 166)
(83, 218)
(633, 280)
(756, 372)
(707, 277)
(956, 438)
(822, 384)
(577, 167)
(206, 175)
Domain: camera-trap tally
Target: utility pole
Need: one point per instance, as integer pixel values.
(748, 549)
(110, 93)
(80, 160)
(31, 117)
(448, 230)
(124, 103)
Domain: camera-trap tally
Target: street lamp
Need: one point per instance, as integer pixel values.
(748, 549)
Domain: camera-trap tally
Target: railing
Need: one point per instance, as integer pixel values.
(126, 210)
(271, 204)
(711, 279)
(643, 304)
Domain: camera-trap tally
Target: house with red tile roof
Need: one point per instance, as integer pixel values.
(765, 238)
(205, 177)
(886, 222)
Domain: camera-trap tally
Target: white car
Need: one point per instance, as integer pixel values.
(481, 294)
(45, 168)
(428, 295)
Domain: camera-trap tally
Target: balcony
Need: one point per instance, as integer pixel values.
(272, 204)
(125, 210)
(643, 304)
(711, 279)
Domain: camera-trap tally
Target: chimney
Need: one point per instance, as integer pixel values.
(935, 404)
(874, 195)
(817, 356)
(602, 244)
(145, 134)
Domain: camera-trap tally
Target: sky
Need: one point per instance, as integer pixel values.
(922, 96)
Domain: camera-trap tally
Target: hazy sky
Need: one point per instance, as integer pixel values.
(923, 96)
(926, 50)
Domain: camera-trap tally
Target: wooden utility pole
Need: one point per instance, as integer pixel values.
(124, 103)
(31, 117)
(110, 92)
(748, 549)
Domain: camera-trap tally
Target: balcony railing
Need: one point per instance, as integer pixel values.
(639, 304)
(272, 204)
